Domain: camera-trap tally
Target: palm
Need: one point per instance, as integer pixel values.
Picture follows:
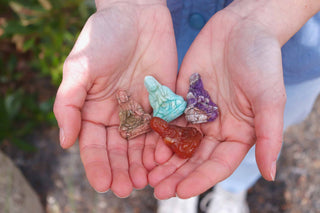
(114, 51)
(240, 66)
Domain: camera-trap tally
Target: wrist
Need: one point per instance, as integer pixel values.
(100, 4)
(281, 18)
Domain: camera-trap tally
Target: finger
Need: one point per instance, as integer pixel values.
(162, 152)
(161, 172)
(101, 111)
(137, 171)
(94, 156)
(68, 103)
(149, 150)
(117, 149)
(167, 187)
(171, 162)
(269, 132)
(221, 164)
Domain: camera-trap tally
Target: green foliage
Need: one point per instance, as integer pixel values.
(47, 29)
(35, 38)
(20, 114)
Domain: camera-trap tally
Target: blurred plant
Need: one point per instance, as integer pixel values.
(45, 28)
(36, 36)
(20, 115)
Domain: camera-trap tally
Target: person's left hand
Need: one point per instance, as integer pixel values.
(240, 65)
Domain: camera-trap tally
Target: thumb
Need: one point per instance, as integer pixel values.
(68, 103)
(269, 132)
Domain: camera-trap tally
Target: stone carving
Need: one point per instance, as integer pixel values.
(133, 120)
(164, 102)
(182, 140)
(200, 108)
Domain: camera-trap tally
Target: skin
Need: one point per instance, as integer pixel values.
(251, 101)
(238, 55)
(103, 60)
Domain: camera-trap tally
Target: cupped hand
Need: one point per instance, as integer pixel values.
(119, 45)
(241, 68)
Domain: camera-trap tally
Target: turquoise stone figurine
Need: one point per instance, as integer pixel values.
(165, 103)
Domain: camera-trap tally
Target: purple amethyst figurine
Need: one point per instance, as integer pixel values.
(200, 107)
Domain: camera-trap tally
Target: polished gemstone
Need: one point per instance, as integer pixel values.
(200, 108)
(164, 102)
(133, 120)
(182, 140)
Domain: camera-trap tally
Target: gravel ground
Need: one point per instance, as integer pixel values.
(58, 177)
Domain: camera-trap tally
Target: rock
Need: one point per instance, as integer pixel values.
(16, 195)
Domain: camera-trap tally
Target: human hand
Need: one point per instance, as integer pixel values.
(240, 65)
(119, 45)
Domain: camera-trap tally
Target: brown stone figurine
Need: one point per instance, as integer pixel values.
(133, 120)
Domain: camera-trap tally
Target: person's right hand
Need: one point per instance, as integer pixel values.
(119, 45)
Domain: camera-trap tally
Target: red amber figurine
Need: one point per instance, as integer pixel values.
(182, 140)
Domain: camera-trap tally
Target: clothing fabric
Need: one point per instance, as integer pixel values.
(301, 66)
(300, 55)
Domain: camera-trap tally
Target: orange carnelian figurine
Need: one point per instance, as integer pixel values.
(182, 140)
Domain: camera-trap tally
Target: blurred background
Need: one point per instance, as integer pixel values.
(36, 175)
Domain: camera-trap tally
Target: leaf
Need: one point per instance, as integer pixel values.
(45, 4)
(23, 145)
(46, 106)
(5, 122)
(13, 103)
(23, 10)
(19, 41)
(28, 45)
(24, 129)
(13, 28)
(27, 15)
(11, 64)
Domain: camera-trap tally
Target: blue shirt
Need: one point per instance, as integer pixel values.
(300, 55)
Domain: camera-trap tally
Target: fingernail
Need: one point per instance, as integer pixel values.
(102, 192)
(154, 195)
(62, 137)
(273, 170)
